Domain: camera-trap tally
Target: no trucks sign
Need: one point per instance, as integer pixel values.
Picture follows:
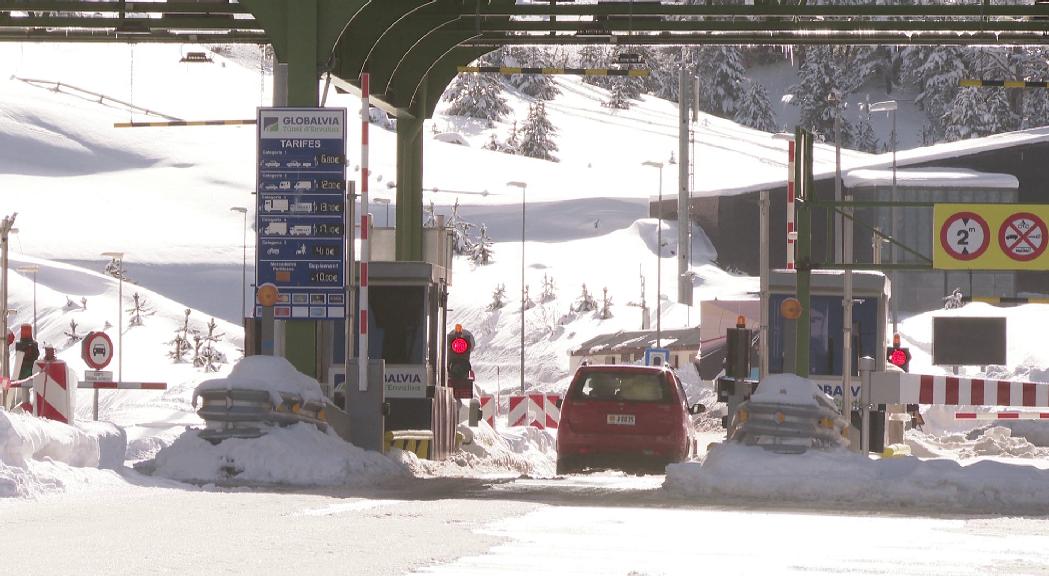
(990, 236)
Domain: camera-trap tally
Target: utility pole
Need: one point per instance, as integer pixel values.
(684, 224)
(803, 177)
(6, 226)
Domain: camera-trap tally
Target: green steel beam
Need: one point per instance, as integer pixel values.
(821, 26)
(94, 7)
(364, 31)
(169, 22)
(799, 38)
(388, 52)
(625, 9)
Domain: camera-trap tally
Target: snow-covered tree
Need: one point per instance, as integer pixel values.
(549, 290)
(537, 134)
(606, 306)
(115, 268)
(970, 115)
(481, 251)
(477, 95)
(538, 86)
(72, 335)
(139, 309)
(461, 243)
(754, 109)
(205, 355)
(617, 95)
(864, 138)
(498, 298)
(528, 302)
(585, 302)
(431, 216)
(181, 342)
(818, 78)
(935, 72)
(721, 73)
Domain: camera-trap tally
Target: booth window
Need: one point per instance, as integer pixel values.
(825, 346)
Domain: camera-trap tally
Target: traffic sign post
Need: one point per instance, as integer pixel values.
(301, 211)
(990, 236)
(97, 350)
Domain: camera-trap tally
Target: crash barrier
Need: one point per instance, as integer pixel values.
(245, 413)
(790, 428)
(904, 388)
(418, 442)
(52, 396)
(489, 409)
(536, 410)
(1001, 416)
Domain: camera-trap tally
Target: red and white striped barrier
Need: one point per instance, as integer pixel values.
(1001, 416)
(123, 385)
(536, 410)
(53, 398)
(489, 409)
(790, 206)
(902, 388)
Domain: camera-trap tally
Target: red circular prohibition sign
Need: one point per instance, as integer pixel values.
(1012, 237)
(964, 216)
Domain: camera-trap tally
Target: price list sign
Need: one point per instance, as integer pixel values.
(301, 217)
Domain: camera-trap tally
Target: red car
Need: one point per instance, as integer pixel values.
(622, 416)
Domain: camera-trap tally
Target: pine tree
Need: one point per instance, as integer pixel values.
(536, 141)
(431, 216)
(138, 310)
(617, 96)
(549, 290)
(585, 302)
(461, 243)
(528, 302)
(538, 86)
(594, 57)
(498, 298)
(865, 139)
(181, 341)
(482, 252)
(72, 335)
(970, 116)
(754, 109)
(721, 73)
(606, 306)
(936, 73)
(205, 355)
(818, 78)
(512, 141)
(477, 95)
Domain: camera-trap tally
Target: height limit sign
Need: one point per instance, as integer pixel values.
(990, 237)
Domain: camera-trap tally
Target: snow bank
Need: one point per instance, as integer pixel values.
(299, 454)
(40, 456)
(272, 374)
(733, 470)
(486, 452)
(786, 389)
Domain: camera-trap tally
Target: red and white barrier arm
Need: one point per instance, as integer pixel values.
(123, 385)
(7, 383)
(902, 388)
(1001, 416)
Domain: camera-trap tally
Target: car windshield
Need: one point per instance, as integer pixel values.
(622, 387)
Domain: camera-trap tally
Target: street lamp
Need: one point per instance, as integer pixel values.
(890, 106)
(524, 189)
(659, 252)
(385, 201)
(31, 269)
(243, 263)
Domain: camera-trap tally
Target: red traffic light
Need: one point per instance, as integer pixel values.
(460, 345)
(898, 358)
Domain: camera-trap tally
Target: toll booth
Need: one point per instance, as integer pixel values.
(407, 327)
(871, 292)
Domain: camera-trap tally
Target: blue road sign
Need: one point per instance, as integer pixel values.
(300, 220)
(657, 357)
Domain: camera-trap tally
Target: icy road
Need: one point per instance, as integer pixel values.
(603, 524)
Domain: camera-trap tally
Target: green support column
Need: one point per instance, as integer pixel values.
(410, 183)
(803, 176)
(303, 65)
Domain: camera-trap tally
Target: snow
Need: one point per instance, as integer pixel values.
(786, 389)
(930, 177)
(266, 373)
(845, 478)
(299, 455)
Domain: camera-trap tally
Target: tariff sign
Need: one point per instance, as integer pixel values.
(990, 237)
(1022, 236)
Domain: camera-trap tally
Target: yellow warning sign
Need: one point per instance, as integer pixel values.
(990, 236)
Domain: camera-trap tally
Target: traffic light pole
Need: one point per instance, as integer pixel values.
(803, 177)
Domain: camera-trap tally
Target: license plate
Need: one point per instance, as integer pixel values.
(621, 419)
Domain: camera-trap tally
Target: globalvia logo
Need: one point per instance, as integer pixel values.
(403, 378)
(270, 124)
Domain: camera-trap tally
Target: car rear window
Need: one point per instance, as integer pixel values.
(605, 386)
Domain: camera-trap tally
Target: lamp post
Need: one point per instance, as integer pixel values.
(385, 201)
(524, 189)
(890, 106)
(659, 253)
(243, 263)
(31, 269)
